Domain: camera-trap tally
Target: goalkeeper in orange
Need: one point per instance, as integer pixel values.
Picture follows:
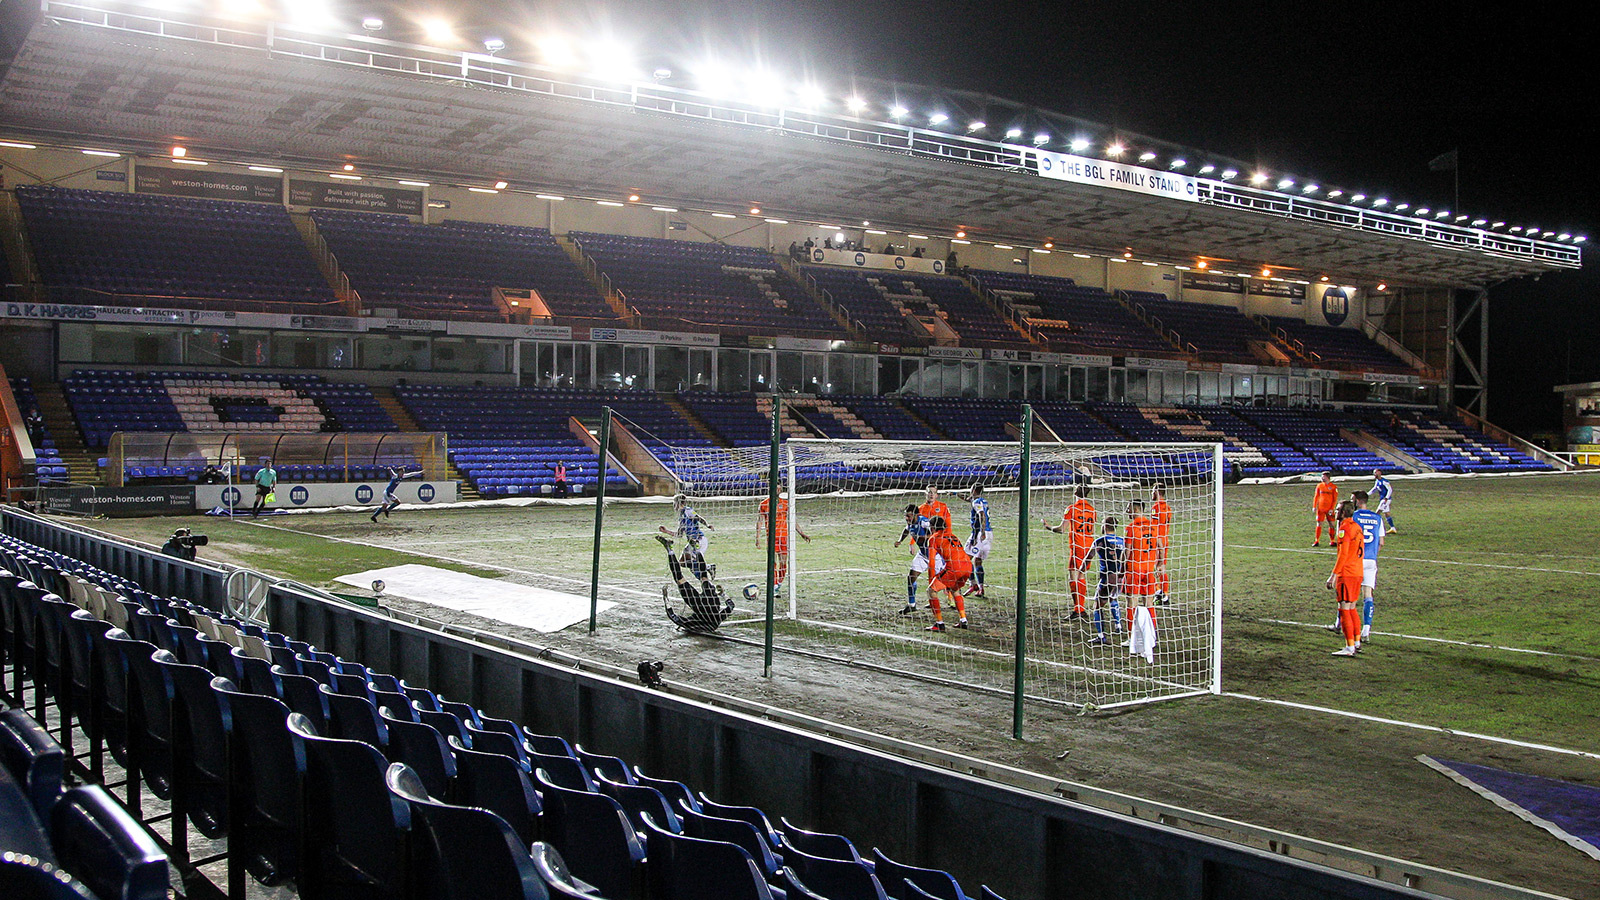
(950, 569)
(1322, 506)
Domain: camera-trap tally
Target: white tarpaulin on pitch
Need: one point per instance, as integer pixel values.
(514, 604)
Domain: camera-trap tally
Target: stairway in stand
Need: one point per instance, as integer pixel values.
(404, 421)
(58, 420)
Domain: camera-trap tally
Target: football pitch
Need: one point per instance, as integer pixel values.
(1486, 649)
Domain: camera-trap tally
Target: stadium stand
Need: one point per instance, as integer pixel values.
(507, 441)
(354, 806)
(187, 252)
(450, 270)
(890, 419)
(1444, 446)
(891, 306)
(1316, 434)
(1071, 317)
(1211, 332)
(49, 466)
(733, 416)
(681, 284)
(1337, 348)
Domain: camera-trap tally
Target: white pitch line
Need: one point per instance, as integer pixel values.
(1441, 562)
(450, 559)
(1415, 725)
(1434, 640)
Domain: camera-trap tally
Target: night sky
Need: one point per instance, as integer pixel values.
(1354, 95)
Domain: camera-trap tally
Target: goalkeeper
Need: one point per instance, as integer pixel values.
(708, 606)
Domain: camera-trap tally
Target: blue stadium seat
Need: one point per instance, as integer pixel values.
(497, 783)
(423, 749)
(894, 876)
(98, 842)
(688, 868)
(462, 853)
(355, 829)
(594, 836)
(33, 758)
(269, 769)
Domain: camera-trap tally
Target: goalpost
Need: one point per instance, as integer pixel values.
(844, 589)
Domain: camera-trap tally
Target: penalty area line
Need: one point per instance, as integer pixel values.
(1438, 729)
(1418, 637)
(451, 559)
(1421, 559)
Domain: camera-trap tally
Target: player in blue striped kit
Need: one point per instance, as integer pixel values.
(1384, 491)
(1371, 524)
(1111, 551)
(982, 538)
(918, 530)
(692, 528)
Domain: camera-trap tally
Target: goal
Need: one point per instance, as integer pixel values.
(845, 583)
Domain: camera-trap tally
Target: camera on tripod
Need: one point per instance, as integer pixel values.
(182, 544)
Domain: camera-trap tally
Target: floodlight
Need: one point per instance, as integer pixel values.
(1310, 189)
(777, 221)
(609, 203)
(611, 60)
(811, 96)
(1285, 183)
(1357, 198)
(438, 31)
(977, 125)
(409, 183)
(1422, 211)
(1079, 145)
(273, 169)
(938, 118)
(344, 176)
(1004, 247)
(1207, 169)
(109, 154)
(917, 237)
(557, 53)
(1258, 178)
(855, 104)
(1335, 194)
(1402, 207)
(897, 111)
(18, 145)
(1013, 132)
(1116, 149)
(309, 14)
(1580, 239)
(1563, 236)
(1178, 163)
(665, 209)
(500, 185)
(1042, 137)
(494, 45)
(1498, 225)
(661, 73)
(372, 23)
(1381, 201)
(1230, 174)
(177, 152)
(1147, 156)
(550, 197)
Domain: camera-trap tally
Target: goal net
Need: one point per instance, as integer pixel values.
(844, 590)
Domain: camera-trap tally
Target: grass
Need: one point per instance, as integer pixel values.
(1513, 562)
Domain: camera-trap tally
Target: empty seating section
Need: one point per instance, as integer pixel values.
(881, 302)
(732, 416)
(1317, 435)
(1072, 422)
(1217, 333)
(1071, 317)
(507, 440)
(1334, 348)
(106, 402)
(887, 417)
(684, 284)
(389, 809)
(450, 270)
(968, 420)
(1443, 445)
(49, 466)
(182, 250)
(827, 417)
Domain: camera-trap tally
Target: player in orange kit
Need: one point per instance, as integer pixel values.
(1078, 522)
(1345, 580)
(1161, 515)
(1139, 583)
(781, 532)
(1322, 505)
(950, 569)
(934, 507)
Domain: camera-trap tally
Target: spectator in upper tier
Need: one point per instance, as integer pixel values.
(794, 250)
(917, 253)
(888, 249)
(827, 243)
(809, 245)
(951, 263)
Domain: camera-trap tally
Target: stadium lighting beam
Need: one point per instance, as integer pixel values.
(557, 52)
(494, 45)
(1013, 132)
(810, 96)
(611, 61)
(1258, 178)
(898, 112)
(1116, 150)
(938, 118)
(1147, 156)
(1079, 145)
(661, 73)
(1381, 201)
(976, 125)
(1041, 139)
(1207, 169)
(1423, 211)
(1402, 207)
(1357, 198)
(855, 104)
(1230, 174)
(1285, 183)
(372, 24)
(1310, 189)
(1335, 194)
(1178, 163)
